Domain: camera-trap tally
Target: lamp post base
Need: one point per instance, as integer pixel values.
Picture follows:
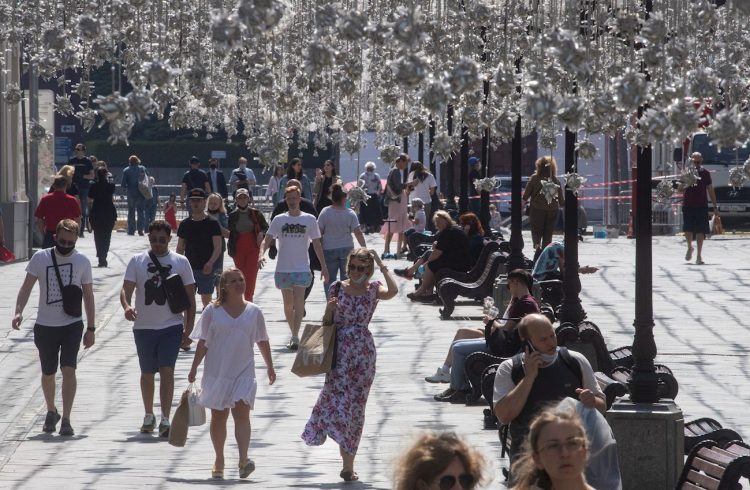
(650, 443)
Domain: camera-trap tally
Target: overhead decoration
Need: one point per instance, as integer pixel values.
(574, 181)
(285, 68)
(485, 184)
(664, 190)
(549, 190)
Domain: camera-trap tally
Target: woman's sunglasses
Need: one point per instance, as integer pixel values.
(358, 268)
(449, 481)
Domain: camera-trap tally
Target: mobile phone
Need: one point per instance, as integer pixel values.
(529, 347)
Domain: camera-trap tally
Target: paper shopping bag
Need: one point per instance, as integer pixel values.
(316, 350)
(179, 428)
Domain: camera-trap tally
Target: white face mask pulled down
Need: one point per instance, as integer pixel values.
(548, 359)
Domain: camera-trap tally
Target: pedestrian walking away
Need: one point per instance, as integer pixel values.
(339, 412)
(132, 177)
(543, 212)
(53, 208)
(103, 213)
(226, 333)
(84, 173)
(64, 276)
(199, 239)
(294, 231)
(247, 229)
(158, 332)
(695, 209)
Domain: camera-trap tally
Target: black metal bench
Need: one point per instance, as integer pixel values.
(478, 285)
(668, 386)
(705, 429)
(587, 339)
(417, 243)
(708, 466)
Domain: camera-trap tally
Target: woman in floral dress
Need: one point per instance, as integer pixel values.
(340, 410)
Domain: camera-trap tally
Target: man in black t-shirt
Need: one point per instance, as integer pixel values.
(195, 178)
(199, 239)
(81, 178)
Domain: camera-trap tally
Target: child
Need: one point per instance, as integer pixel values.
(420, 218)
(496, 218)
(170, 211)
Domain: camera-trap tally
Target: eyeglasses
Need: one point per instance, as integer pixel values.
(358, 268)
(571, 445)
(448, 482)
(160, 240)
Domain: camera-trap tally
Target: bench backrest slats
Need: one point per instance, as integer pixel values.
(738, 449)
(703, 480)
(708, 468)
(716, 455)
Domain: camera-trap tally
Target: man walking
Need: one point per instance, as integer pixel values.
(84, 174)
(57, 335)
(216, 180)
(242, 177)
(199, 239)
(195, 178)
(132, 176)
(55, 207)
(695, 209)
(158, 332)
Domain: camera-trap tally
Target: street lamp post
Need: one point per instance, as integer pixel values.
(516, 259)
(463, 200)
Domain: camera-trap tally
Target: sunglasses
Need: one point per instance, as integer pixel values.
(160, 240)
(449, 481)
(358, 268)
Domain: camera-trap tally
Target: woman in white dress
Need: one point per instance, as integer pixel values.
(226, 333)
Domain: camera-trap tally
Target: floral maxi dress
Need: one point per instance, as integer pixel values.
(340, 410)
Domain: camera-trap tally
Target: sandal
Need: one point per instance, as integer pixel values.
(246, 468)
(217, 473)
(347, 475)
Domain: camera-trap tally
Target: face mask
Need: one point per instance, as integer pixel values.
(242, 166)
(213, 166)
(64, 250)
(360, 280)
(549, 358)
(242, 207)
(213, 211)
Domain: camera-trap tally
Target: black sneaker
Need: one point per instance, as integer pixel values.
(65, 428)
(50, 422)
(445, 395)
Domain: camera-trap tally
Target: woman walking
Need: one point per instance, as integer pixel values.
(226, 334)
(324, 182)
(247, 228)
(370, 212)
(543, 213)
(337, 223)
(294, 171)
(216, 211)
(273, 183)
(340, 410)
(103, 213)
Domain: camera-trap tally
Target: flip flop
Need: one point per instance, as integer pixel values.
(349, 475)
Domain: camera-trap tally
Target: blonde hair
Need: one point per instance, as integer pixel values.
(444, 215)
(526, 472)
(364, 255)
(221, 295)
(67, 171)
(67, 225)
(546, 167)
(430, 455)
(215, 195)
(292, 188)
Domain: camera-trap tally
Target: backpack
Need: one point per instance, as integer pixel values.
(517, 373)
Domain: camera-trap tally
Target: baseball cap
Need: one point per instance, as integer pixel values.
(241, 192)
(195, 159)
(473, 160)
(197, 194)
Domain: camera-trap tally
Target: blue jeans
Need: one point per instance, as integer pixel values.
(336, 262)
(461, 349)
(150, 212)
(136, 204)
(83, 195)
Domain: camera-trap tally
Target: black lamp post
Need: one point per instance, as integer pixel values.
(463, 200)
(450, 170)
(571, 309)
(516, 259)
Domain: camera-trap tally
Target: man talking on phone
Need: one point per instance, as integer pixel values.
(544, 373)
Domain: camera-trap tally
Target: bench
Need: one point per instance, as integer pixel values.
(622, 357)
(708, 466)
(480, 283)
(417, 243)
(587, 339)
(668, 386)
(705, 429)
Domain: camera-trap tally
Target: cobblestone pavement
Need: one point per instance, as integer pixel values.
(701, 329)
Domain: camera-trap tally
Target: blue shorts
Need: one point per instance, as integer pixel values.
(157, 348)
(287, 280)
(205, 283)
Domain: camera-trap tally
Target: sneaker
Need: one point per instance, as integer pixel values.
(149, 423)
(440, 376)
(50, 421)
(293, 343)
(65, 428)
(445, 395)
(164, 427)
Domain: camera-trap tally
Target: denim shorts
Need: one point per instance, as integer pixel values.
(205, 283)
(287, 280)
(157, 348)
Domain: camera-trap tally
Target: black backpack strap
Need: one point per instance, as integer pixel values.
(517, 373)
(572, 364)
(57, 270)
(158, 265)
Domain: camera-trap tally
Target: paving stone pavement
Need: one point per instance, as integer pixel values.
(701, 330)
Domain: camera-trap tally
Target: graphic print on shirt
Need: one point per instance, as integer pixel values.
(53, 288)
(293, 230)
(153, 286)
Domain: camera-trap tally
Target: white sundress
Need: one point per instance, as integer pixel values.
(229, 365)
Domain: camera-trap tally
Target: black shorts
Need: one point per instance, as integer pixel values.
(695, 220)
(53, 341)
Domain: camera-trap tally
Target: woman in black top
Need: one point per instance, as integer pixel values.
(473, 229)
(323, 184)
(103, 214)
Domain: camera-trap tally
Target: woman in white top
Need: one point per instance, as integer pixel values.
(226, 333)
(273, 183)
(424, 185)
(337, 223)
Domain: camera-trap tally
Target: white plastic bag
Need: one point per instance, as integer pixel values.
(196, 412)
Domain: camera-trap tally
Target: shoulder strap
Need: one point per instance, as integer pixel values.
(57, 270)
(516, 372)
(158, 265)
(572, 364)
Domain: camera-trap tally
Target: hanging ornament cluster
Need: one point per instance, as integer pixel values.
(486, 184)
(550, 190)
(664, 190)
(574, 182)
(357, 195)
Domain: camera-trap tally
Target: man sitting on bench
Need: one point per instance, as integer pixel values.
(544, 373)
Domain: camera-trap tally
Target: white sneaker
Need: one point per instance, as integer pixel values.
(440, 376)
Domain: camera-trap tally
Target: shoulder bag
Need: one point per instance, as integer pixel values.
(72, 295)
(174, 288)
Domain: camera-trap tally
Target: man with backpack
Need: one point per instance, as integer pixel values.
(544, 373)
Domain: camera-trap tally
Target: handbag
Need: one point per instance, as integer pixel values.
(144, 186)
(72, 295)
(178, 429)
(316, 350)
(173, 287)
(196, 412)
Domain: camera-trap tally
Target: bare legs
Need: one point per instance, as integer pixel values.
(69, 385)
(428, 281)
(294, 307)
(387, 246)
(219, 435)
(699, 239)
(348, 461)
(205, 299)
(241, 416)
(166, 390)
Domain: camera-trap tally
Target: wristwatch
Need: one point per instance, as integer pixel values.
(91, 329)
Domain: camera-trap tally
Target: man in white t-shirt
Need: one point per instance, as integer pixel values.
(55, 332)
(158, 332)
(294, 231)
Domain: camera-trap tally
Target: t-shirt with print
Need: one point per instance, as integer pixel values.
(74, 269)
(198, 236)
(150, 300)
(293, 234)
(336, 227)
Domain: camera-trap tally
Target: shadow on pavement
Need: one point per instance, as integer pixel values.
(54, 438)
